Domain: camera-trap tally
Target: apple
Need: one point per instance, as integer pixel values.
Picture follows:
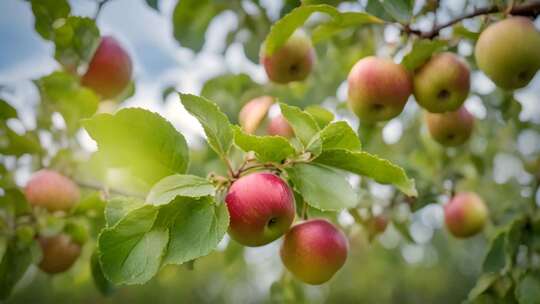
(261, 208)
(254, 112)
(465, 215)
(314, 250)
(442, 84)
(109, 70)
(59, 253)
(378, 89)
(450, 128)
(291, 62)
(51, 190)
(508, 52)
(280, 126)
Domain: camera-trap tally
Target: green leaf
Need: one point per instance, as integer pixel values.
(140, 140)
(172, 186)
(400, 10)
(528, 289)
(118, 207)
(216, 125)
(303, 124)
(196, 227)
(421, 52)
(6, 110)
(495, 260)
(230, 92)
(153, 4)
(322, 116)
(46, 12)
(365, 164)
(285, 27)
(104, 286)
(191, 19)
(339, 135)
(375, 8)
(75, 40)
(14, 144)
(15, 262)
(63, 92)
(266, 148)
(482, 285)
(131, 251)
(322, 187)
(343, 21)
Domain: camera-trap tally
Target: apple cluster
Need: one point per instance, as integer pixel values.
(262, 209)
(55, 193)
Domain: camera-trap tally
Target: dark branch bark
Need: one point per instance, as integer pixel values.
(531, 9)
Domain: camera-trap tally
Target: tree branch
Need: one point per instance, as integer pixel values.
(531, 9)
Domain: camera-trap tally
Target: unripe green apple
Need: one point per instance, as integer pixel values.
(254, 112)
(291, 62)
(442, 84)
(508, 52)
(261, 208)
(465, 215)
(109, 71)
(59, 253)
(378, 89)
(450, 128)
(280, 126)
(314, 251)
(51, 190)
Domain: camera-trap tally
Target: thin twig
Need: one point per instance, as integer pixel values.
(528, 9)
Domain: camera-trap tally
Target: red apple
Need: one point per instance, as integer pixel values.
(378, 89)
(465, 215)
(59, 253)
(314, 251)
(254, 112)
(51, 190)
(291, 62)
(261, 208)
(280, 126)
(109, 71)
(450, 128)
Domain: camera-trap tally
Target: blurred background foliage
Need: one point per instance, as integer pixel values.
(414, 261)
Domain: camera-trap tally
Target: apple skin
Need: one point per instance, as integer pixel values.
(110, 69)
(465, 215)
(507, 52)
(254, 112)
(59, 253)
(51, 190)
(261, 209)
(280, 126)
(442, 84)
(451, 128)
(313, 251)
(378, 89)
(291, 62)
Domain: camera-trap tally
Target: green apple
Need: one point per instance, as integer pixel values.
(450, 128)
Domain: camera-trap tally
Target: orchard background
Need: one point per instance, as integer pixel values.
(178, 249)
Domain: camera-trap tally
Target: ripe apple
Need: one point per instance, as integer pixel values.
(450, 128)
(465, 215)
(291, 62)
(261, 208)
(280, 126)
(51, 190)
(59, 253)
(442, 84)
(378, 89)
(508, 52)
(254, 112)
(314, 251)
(109, 71)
